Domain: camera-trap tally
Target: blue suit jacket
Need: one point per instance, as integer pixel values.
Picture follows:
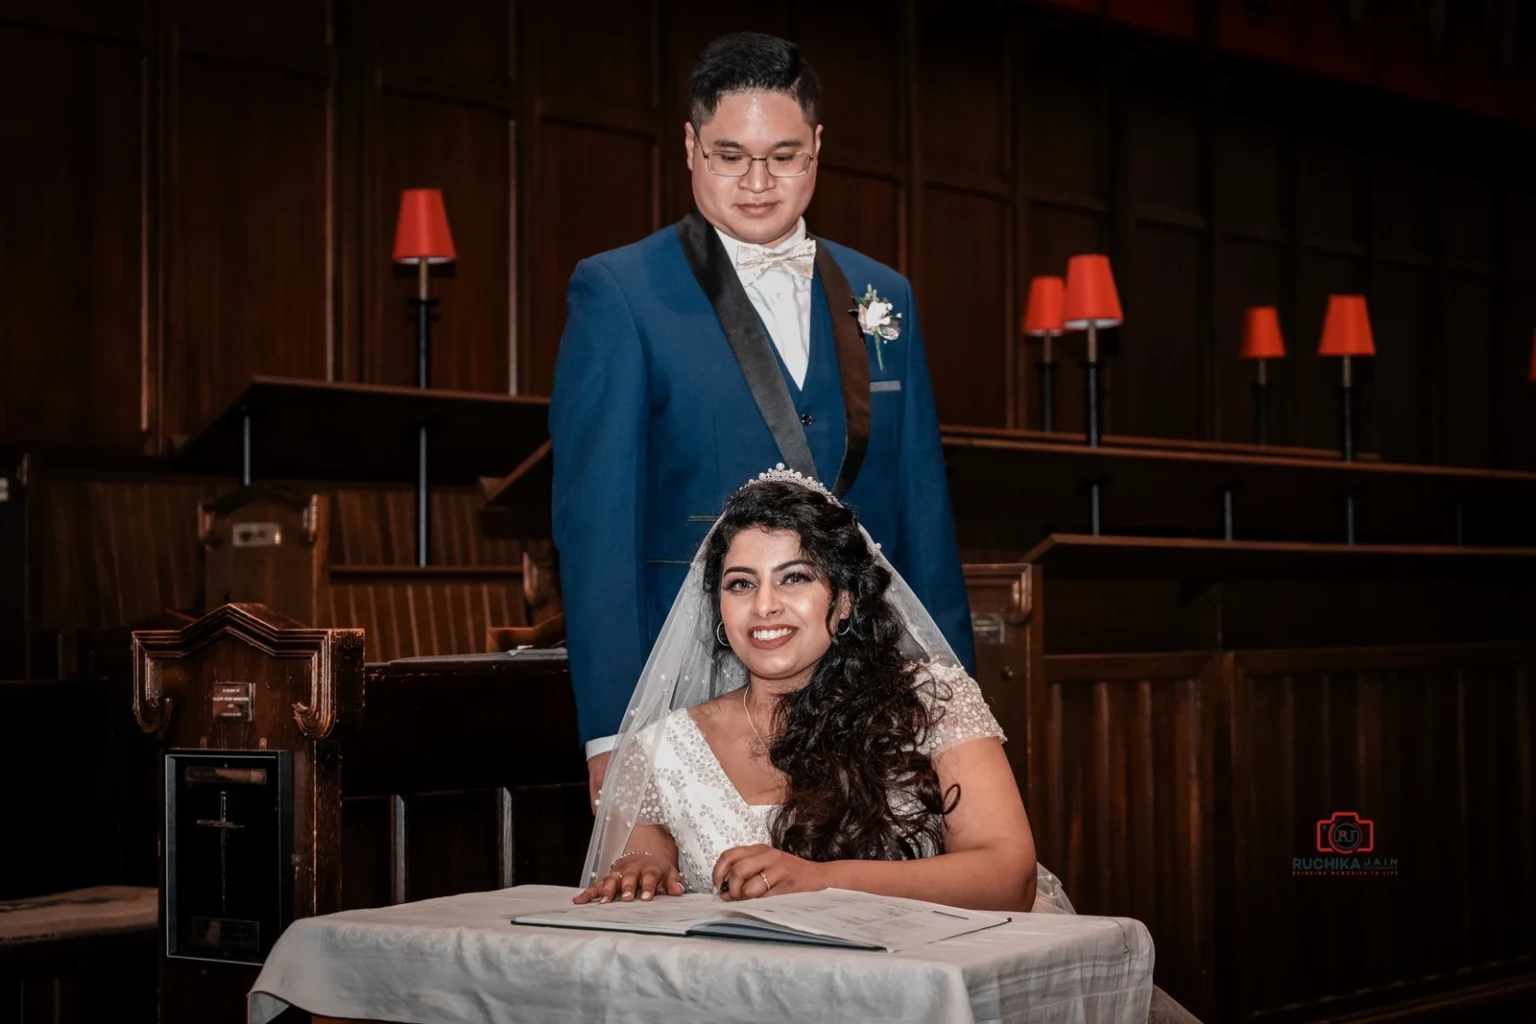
(653, 426)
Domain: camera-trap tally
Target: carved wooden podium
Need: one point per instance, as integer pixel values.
(244, 681)
(286, 794)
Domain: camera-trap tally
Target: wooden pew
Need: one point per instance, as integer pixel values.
(77, 931)
(406, 780)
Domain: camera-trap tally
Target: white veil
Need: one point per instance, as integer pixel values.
(684, 669)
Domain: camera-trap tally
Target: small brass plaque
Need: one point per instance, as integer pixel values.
(989, 628)
(232, 702)
(257, 535)
(227, 937)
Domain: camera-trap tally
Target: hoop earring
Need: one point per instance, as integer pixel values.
(723, 641)
(847, 626)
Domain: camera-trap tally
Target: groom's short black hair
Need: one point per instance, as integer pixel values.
(751, 60)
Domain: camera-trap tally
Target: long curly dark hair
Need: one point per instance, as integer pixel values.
(848, 741)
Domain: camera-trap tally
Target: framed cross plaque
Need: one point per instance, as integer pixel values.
(228, 853)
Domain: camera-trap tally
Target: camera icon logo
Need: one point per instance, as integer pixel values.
(1345, 832)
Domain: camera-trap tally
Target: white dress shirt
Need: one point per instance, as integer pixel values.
(783, 299)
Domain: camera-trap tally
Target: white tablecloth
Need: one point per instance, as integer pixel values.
(458, 959)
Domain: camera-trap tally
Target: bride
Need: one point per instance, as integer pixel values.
(801, 724)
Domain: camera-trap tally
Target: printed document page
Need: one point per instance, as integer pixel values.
(888, 922)
(856, 918)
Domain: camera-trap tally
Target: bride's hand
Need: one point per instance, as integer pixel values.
(746, 872)
(639, 873)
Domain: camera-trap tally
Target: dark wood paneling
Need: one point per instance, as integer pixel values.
(286, 33)
(468, 153)
(1466, 362)
(963, 301)
(1516, 392)
(248, 278)
(1468, 223)
(1129, 825)
(120, 551)
(963, 124)
(1249, 169)
(376, 526)
(409, 615)
(1520, 235)
(593, 193)
(1163, 136)
(71, 192)
(1411, 739)
(1402, 224)
(418, 46)
(541, 850)
(127, 22)
(1160, 352)
(859, 211)
(452, 839)
(861, 111)
(1059, 117)
(415, 620)
(1329, 192)
(1402, 315)
(620, 74)
(367, 850)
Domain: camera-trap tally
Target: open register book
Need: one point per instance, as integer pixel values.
(832, 917)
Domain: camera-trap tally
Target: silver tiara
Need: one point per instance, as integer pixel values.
(794, 476)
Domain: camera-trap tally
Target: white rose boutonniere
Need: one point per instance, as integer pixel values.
(877, 321)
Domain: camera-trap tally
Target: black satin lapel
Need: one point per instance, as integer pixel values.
(754, 350)
(852, 366)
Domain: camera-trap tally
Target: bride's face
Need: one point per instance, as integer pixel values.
(775, 607)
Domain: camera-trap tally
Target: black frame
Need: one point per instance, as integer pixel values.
(279, 763)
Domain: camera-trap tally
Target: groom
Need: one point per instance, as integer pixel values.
(712, 350)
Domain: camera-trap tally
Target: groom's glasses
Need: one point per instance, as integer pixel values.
(731, 163)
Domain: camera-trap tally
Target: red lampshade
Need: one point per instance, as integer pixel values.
(1346, 328)
(1261, 334)
(1091, 298)
(1042, 317)
(422, 232)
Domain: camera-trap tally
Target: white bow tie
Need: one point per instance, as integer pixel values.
(753, 261)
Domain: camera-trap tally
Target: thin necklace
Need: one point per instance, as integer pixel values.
(748, 712)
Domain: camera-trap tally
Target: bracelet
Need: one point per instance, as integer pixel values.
(626, 855)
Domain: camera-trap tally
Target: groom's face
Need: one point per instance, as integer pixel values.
(755, 207)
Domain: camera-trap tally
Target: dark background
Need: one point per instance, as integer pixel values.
(196, 192)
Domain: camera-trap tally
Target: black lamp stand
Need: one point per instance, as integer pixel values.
(1047, 367)
(423, 307)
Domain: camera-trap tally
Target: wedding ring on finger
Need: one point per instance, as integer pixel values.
(764, 877)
